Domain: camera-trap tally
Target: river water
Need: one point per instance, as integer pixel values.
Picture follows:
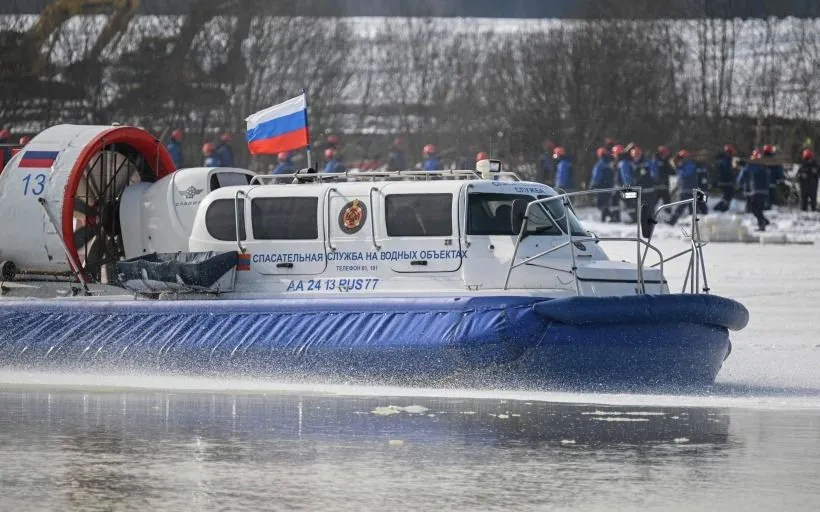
(129, 442)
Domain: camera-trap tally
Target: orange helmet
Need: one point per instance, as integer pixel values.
(330, 153)
(226, 137)
(482, 155)
(636, 152)
(757, 154)
(4, 134)
(25, 139)
(601, 152)
(208, 148)
(176, 135)
(333, 140)
(429, 149)
(559, 152)
(683, 154)
(617, 150)
(807, 154)
(730, 149)
(768, 149)
(284, 155)
(664, 152)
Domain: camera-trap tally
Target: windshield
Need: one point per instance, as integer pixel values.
(491, 214)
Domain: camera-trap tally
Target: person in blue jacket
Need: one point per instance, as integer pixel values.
(687, 172)
(175, 148)
(725, 177)
(626, 178)
(431, 160)
(284, 165)
(334, 162)
(603, 177)
(563, 169)
(755, 180)
(661, 171)
(224, 150)
(396, 160)
(209, 153)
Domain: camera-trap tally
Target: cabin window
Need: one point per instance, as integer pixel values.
(491, 214)
(220, 219)
(285, 218)
(228, 179)
(419, 214)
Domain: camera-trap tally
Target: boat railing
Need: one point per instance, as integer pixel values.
(696, 270)
(351, 175)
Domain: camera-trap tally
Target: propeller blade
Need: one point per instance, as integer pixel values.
(84, 208)
(82, 236)
(93, 260)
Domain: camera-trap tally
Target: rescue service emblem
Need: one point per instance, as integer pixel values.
(352, 217)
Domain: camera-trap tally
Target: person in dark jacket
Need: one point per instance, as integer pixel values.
(5, 151)
(175, 148)
(776, 174)
(725, 177)
(661, 171)
(224, 151)
(643, 178)
(546, 166)
(334, 162)
(396, 159)
(603, 177)
(431, 159)
(808, 176)
(755, 180)
(687, 173)
(563, 169)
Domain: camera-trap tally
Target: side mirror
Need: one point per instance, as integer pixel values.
(517, 218)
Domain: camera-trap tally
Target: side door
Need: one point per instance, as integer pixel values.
(351, 243)
(419, 231)
(491, 238)
(286, 235)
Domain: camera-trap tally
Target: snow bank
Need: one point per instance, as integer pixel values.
(735, 226)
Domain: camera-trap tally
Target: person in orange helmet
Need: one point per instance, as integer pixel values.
(808, 176)
(211, 158)
(334, 162)
(284, 164)
(431, 159)
(175, 148)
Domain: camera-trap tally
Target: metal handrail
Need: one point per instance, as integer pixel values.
(259, 179)
(236, 215)
(373, 217)
(327, 216)
(697, 267)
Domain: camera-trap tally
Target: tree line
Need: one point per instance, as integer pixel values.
(465, 85)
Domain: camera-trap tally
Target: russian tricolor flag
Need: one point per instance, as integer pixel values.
(280, 128)
(38, 159)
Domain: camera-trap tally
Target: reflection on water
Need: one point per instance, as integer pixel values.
(200, 451)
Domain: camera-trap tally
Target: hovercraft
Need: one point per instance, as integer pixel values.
(111, 258)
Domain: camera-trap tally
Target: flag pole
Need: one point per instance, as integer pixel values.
(307, 125)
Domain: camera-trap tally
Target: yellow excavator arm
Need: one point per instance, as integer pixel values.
(59, 11)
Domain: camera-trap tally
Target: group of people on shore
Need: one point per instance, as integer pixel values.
(761, 179)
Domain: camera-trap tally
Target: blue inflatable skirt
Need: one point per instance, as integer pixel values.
(681, 339)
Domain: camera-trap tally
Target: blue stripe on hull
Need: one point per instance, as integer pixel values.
(357, 339)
